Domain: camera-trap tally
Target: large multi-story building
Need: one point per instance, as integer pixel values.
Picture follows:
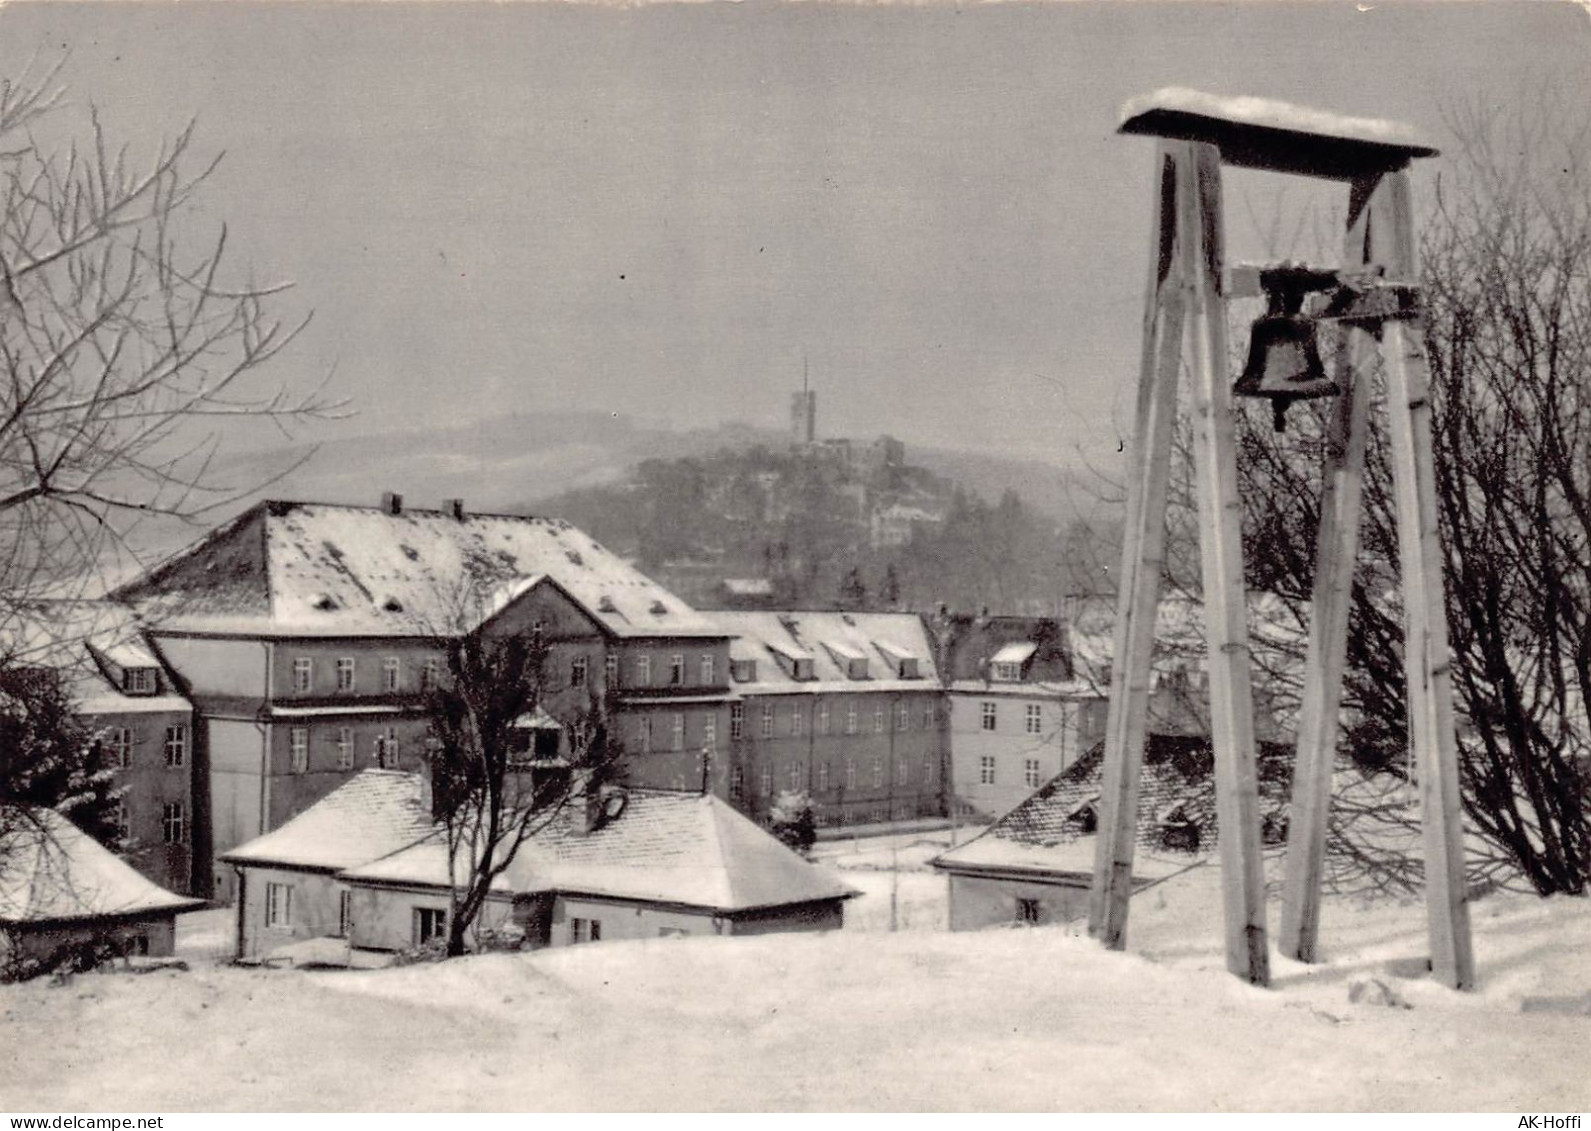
(308, 636)
(126, 699)
(845, 707)
(1019, 713)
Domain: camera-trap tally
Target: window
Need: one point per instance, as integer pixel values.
(1035, 719)
(710, 733)
(903, 718)
(387, 749)
(823, 718)
(676, 670)
(678, 731)
(585, 930)
(139, 681)
(795, 777)
(902, 771)
(737, 720)
(120, 818)
(986, 770)
(643, 671)
(795, 720)
(173, 823)
(930, 769)
(850, 773)
(176, 747)
(391, 673)
(577, 671)
(345, 748)
(345, 913)
(706, 672)
(765, 781)
(878, 773)
(429, 923)
(928, 715)
(737, 784)
(644, 736)
(303, 673)
(430, 674)
(610, 670)
(121, 747)
(878, 720)
(1027, 911)
(988, 716)
(299, 744)
(767, 720)
(823, 776)
(278, 905)
(1009, 673)
(1030, 773)
(345, 673)
(850, 718)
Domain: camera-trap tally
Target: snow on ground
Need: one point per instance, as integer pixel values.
(1018, 1019)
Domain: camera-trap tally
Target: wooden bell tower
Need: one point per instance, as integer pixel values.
(1376, 304)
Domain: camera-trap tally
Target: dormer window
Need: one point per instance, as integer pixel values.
(1006, 665)
(1007, 673)
(743, 671)
(856, 668)
(803, 668)
(907, 668)
(139, 681)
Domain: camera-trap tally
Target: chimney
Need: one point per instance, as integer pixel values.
(588, 805)
(427, 800)
(455, 507)
(391, 502)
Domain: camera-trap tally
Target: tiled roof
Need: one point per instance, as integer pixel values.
(375, 813)
(50, 870)
(1178, 780)
(827, 638)
(662, 847)
(316, 569)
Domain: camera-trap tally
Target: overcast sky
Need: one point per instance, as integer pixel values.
(661, 210)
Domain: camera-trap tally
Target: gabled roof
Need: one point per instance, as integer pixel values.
(375, 813)
(52, 871)
(663, 847)
(829, 639)
(307, 569)
(1042, 834)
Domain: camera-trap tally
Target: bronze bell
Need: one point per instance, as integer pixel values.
(1283, 360)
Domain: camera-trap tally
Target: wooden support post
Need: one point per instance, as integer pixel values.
(1426, 658)
(1336, 547)
(1142, 559)
(1225, 598)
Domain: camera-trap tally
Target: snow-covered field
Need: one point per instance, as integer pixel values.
(1032, 1019)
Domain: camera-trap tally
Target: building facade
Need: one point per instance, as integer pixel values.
(844, 707)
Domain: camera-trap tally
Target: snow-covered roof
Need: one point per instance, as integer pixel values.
(1017, 652)
(66, 635)
(663, 847)
(309, 569)
(375, 813)
(51, 871)
(1043, 833)
(829, 639)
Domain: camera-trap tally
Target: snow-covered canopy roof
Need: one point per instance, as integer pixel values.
(52, 871)
(312, 569)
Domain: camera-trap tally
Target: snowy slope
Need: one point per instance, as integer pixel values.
(1036, 1019)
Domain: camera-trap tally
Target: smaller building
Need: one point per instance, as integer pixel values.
(1035, 865)
(619, 865)
(62, 894)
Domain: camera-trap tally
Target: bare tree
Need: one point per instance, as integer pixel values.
(126, 350)
(494, 784)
